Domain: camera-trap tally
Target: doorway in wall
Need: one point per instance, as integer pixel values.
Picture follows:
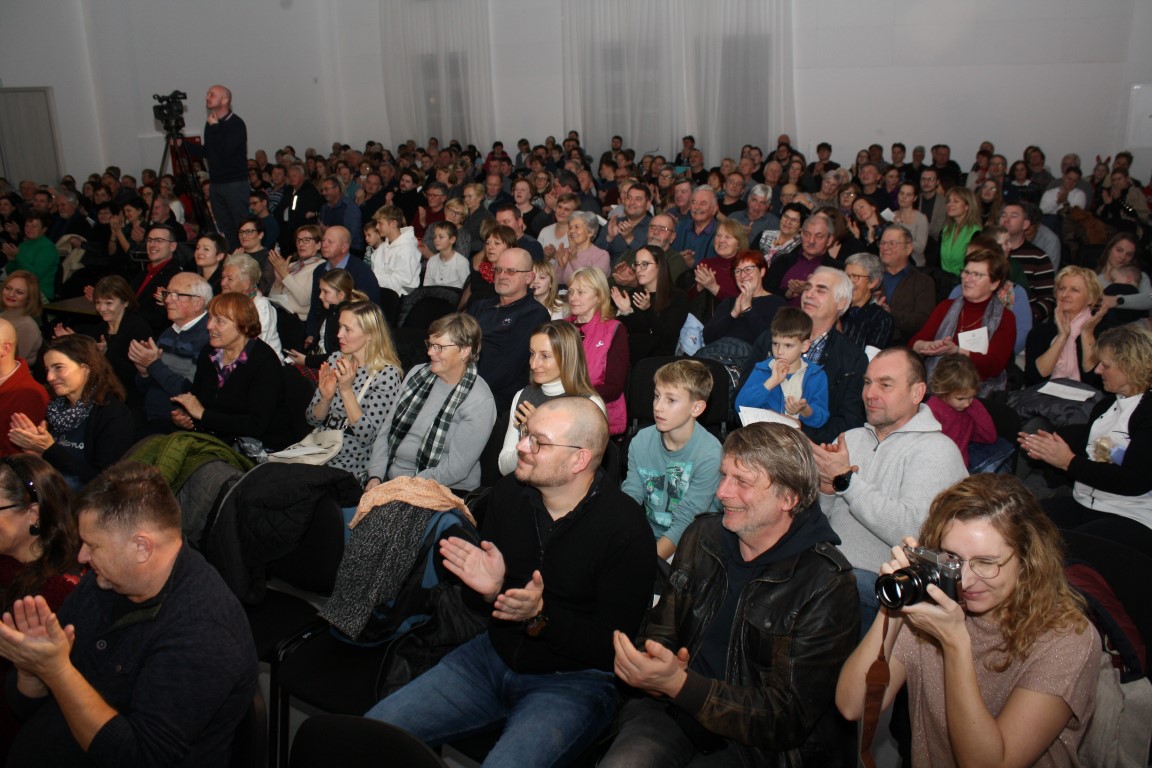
(29, 143)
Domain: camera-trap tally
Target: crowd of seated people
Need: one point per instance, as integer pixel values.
(891, 306)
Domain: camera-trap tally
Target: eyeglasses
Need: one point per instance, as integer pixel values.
(748, 270)
(246, 232)
(156, 240)
(855, 278)
(893, 243)
(437, 348)
(986, 567)
(306, 240)
(640, 266)
(510, 271)
(25, 479)
(535, 443)
(660, 228)
(164, 294)
(972, 275)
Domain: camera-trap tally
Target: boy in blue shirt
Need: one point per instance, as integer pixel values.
(674, 465)
(787, 382)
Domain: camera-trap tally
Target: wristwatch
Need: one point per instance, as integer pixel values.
(535, 625)
(840, 483)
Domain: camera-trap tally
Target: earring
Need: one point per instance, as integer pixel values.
(34, 529)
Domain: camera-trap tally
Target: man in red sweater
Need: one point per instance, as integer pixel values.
(19, 392)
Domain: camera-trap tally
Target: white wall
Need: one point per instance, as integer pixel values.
(308, 72)
(526, 72)
(1047, 72)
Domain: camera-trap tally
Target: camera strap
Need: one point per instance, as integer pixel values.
(876, 682)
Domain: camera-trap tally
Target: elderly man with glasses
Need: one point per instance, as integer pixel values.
(165, 367)
(907, 293)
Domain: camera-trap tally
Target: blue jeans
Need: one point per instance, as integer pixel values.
(869, 605)
(990, 457)
(547, 719)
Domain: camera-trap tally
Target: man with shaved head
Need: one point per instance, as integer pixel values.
(566, 559)
(225, 150)
(508, 322)
(335, 247)
(19, 392)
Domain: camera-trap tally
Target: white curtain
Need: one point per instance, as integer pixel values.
(437, 70)
(655, 70)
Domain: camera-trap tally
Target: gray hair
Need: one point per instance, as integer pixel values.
(780, 453)
(591, 220)
(761, 190)
(869, 261)
(197, 286)
(842, 290)
(902, 230)
(247, 265)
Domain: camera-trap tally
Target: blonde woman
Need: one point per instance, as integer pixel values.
(546, 291)
(605, 341)
(358, 385)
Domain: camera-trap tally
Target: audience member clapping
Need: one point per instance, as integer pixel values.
(557, 366)
(358, 385)
(88, 427)
(605, 341)
(238, 390)
(444, 415)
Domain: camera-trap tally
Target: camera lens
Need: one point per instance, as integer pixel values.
(904, 587)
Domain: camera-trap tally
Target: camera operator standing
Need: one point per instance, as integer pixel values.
(877, 481)
(226, 151)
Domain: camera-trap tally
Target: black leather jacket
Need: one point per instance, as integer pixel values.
(798, 622)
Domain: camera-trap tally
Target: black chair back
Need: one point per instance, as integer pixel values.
(327, 740)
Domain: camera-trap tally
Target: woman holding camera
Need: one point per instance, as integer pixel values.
(1005, 676)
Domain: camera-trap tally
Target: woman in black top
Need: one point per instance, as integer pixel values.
(116, 305)
(88, 427)
(655, 311)
(238, 390)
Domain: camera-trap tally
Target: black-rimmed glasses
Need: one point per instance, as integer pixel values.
(535, 443)
(165, 293)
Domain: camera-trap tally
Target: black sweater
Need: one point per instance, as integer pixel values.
(250, 404)
(598, 566)
(107, 437)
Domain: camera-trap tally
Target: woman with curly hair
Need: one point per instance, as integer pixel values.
(1005, 674)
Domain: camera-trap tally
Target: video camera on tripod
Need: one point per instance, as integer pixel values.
(170, 111)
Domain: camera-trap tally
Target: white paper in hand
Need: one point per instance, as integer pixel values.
(975, 340)
(749, 415)
(1066, 392)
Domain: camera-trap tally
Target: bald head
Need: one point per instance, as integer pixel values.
(218, 101)
(335, 243)
(7, 337)
(8, 361)
(585, 424)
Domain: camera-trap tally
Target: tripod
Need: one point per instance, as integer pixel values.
(184, 171)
